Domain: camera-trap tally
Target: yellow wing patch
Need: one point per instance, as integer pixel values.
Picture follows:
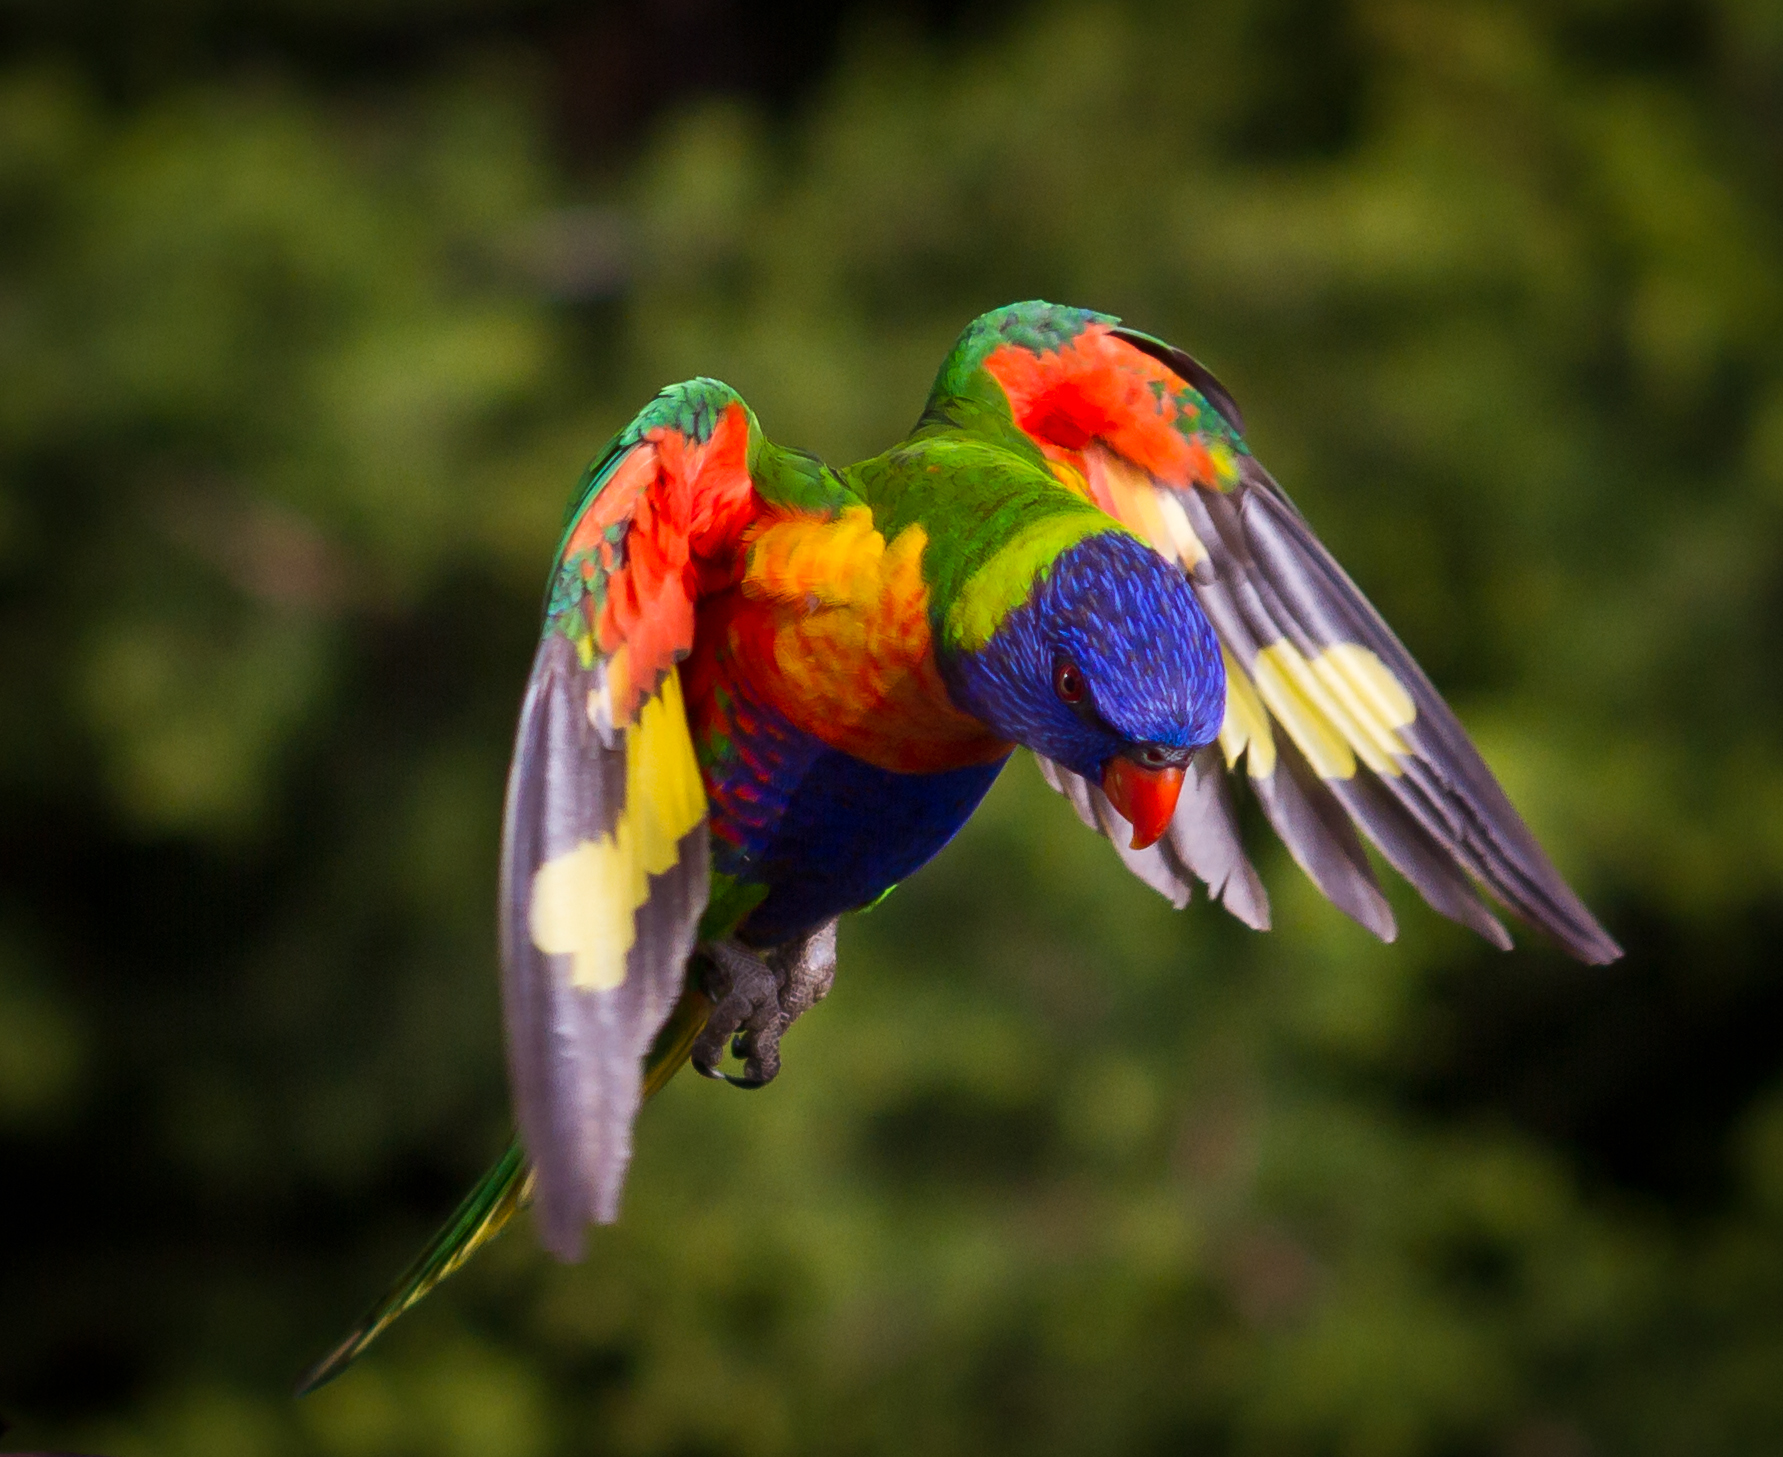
(1338, 706)
(584, 901)
(1246, 724)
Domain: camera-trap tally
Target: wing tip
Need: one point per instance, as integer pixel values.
(1244, 895)
(1251, 908)
(559, 1223)
(1372, 913)
(1591, 944)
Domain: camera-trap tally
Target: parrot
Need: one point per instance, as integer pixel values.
(768, 690)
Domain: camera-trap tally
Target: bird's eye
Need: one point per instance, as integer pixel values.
(1067, 682)
(1154, 756)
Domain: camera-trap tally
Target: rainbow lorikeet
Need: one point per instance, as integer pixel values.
(768, 690)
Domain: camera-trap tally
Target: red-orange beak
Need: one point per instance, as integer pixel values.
(1147, 797)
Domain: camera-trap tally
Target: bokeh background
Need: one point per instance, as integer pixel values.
(310, 313)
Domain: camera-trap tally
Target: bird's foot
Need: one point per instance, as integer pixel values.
(757, 995)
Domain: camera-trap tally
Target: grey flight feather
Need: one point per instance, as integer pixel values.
(1322, 839)
(575, 1053)
(1268, 579)
(1202, 842)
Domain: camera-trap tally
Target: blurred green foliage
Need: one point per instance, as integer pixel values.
(294, 378)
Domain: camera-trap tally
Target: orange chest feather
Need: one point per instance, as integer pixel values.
(831, 625)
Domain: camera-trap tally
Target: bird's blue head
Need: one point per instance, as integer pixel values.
(1108, 667)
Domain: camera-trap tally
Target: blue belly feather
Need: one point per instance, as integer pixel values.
(826, 832)
(851, 831)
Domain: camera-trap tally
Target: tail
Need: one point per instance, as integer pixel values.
(499, 1195)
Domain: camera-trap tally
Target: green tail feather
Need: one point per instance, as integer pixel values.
(500, 1194)
(498, 1197)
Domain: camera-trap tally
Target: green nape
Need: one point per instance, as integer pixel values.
(1007, 580)
(994, 515)
(499, 1195)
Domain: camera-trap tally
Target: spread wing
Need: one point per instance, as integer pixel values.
(604, 854)
(1339, 728)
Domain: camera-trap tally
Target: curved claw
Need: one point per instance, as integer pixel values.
(755, 997)
(719, 1075)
